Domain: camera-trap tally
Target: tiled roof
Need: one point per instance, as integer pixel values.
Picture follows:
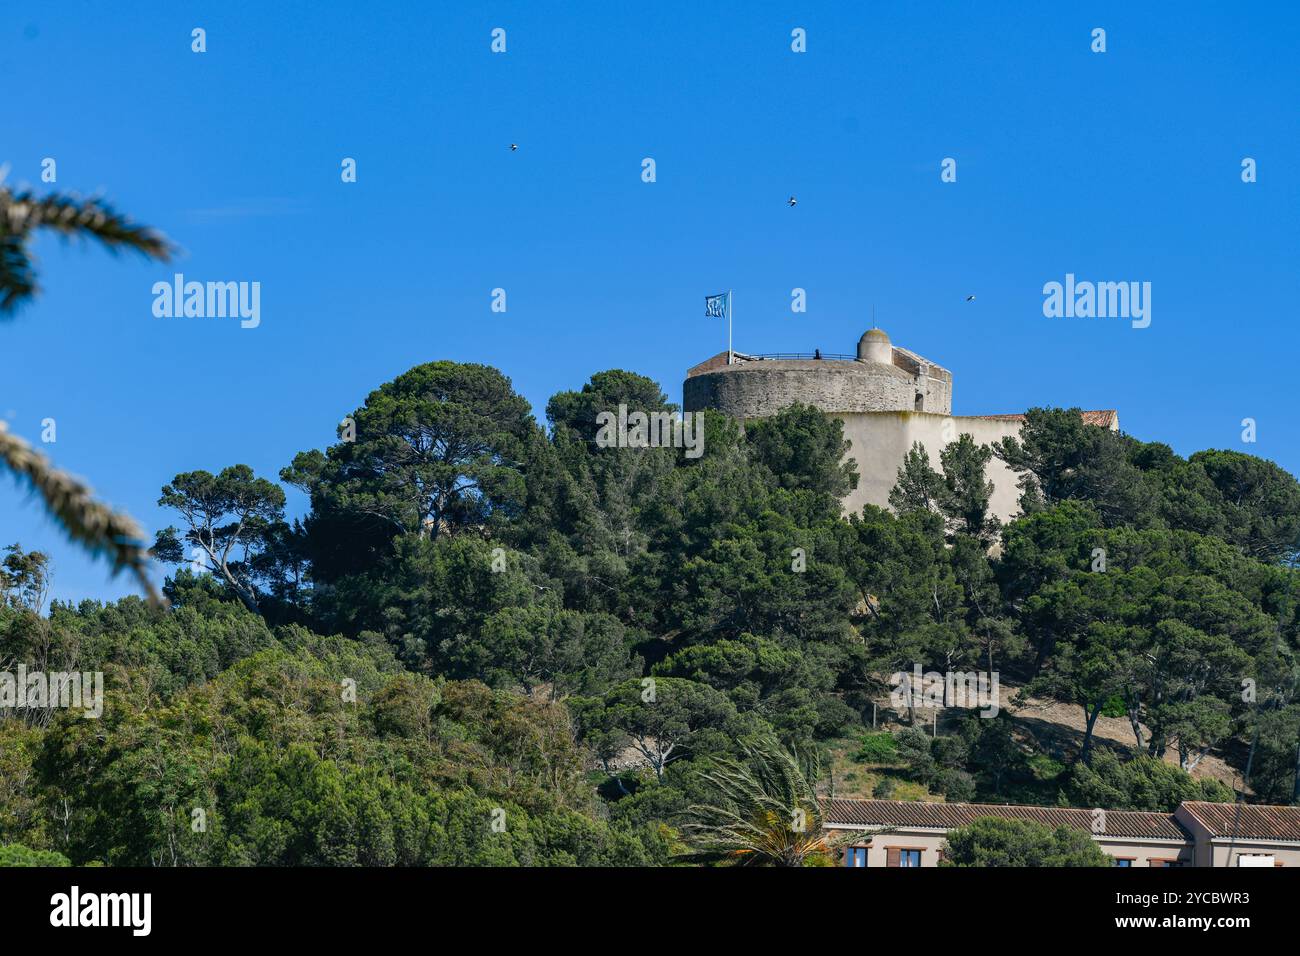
(1118, 823)
(714, 361)
(1102, 417)
(1255, 822)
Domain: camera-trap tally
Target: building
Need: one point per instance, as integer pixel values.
(1195, 834)
(887, 397)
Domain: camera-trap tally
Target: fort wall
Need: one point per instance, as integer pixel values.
(882, 440)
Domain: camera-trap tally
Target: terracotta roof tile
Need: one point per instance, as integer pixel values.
(1255, 822)
(1101, 417)
(1118, 823)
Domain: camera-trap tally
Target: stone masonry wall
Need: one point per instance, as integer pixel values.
(761, 389)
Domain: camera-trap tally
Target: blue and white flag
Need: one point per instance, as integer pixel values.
(715, 306)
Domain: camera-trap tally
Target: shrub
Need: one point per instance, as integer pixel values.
(950, 752)
(957, 785)
(15, 854)
(914, 750)
(878, 748)
(1044, 767)
(994, 841)
(1114, 707)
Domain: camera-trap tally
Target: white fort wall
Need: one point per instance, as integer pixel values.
(882, 439)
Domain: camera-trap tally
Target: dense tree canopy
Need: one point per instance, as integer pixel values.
(433, 452)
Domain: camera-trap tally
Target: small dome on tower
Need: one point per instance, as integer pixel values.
(874, 346)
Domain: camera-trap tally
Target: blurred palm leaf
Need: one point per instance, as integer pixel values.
(96, 526)
(22, 214)
(89, 522)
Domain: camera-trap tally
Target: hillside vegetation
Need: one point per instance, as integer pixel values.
(491, 641)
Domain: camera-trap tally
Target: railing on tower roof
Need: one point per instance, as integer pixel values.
(830, 356)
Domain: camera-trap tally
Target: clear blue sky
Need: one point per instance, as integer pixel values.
(1116, 166)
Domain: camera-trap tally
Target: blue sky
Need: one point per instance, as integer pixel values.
(1117, 166)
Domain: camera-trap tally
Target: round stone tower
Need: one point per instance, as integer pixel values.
(881, 379)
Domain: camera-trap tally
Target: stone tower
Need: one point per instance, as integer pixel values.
(882, 378)
(886, 396)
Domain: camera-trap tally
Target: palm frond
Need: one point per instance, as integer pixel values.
(17, 277)
(72, 216)
(764, 809)
(22, 213)
(101, 529)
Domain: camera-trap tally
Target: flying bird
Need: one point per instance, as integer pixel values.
(513, 147)
(970, 298)
(791, 201)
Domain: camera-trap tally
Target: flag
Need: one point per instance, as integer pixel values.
(715, 306)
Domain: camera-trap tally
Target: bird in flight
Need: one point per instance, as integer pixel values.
(970, 298)
(513, 147)
(791, 201)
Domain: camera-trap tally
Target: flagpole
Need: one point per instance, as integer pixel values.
(730, 354)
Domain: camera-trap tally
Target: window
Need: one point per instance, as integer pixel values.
(1123, 861)
(902, 856)
(920, 402)
(1155, 862)
(855, 856)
